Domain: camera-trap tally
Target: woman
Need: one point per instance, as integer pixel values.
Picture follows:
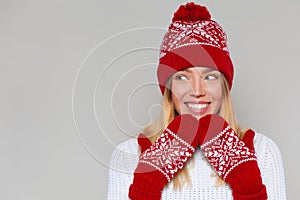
(195, 75)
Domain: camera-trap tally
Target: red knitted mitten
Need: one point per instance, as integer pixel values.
(162, 160)
(233, 159)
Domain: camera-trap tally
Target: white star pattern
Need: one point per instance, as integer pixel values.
(168, 154)
(226, 151)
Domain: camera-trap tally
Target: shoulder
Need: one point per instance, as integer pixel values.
(129, 145)
(265, 143)
(124, 158)
(267, 151)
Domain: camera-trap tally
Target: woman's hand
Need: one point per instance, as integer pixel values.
(233, 159)
(161, 161)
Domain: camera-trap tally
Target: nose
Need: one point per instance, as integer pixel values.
(198, 88)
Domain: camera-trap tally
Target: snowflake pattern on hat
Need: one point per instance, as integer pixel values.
(182, 34)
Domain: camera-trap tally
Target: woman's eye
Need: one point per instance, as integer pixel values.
(181, 77)
(211, 77)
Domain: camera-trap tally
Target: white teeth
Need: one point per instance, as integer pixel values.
(196, 106)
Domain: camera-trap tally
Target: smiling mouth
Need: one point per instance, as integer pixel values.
(197, 106)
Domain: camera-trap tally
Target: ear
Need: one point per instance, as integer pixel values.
(248, 138)
(144, 142)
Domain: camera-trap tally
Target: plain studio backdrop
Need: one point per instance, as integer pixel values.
(79, 77)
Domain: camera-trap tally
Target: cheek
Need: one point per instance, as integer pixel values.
(177, 96)
(177, 91)
(216, 95)
(216, 92)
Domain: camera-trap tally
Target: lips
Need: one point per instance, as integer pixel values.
(197, 107)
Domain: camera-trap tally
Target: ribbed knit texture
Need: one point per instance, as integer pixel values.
(125, 158)
(148, 186)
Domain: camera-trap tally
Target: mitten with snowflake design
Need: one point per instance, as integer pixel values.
(233, 159)
(162, 160)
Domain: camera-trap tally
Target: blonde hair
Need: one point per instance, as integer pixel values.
(168, 113)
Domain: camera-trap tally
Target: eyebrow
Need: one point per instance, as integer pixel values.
(205, 70)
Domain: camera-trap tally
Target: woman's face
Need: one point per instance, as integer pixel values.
(197, 91)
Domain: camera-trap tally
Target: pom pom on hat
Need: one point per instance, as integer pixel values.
(191, 12)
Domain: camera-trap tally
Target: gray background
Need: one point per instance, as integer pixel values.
(74, 85)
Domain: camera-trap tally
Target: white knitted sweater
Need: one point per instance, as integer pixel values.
(125, 157)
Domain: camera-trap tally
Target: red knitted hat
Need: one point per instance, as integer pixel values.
(193, 39)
